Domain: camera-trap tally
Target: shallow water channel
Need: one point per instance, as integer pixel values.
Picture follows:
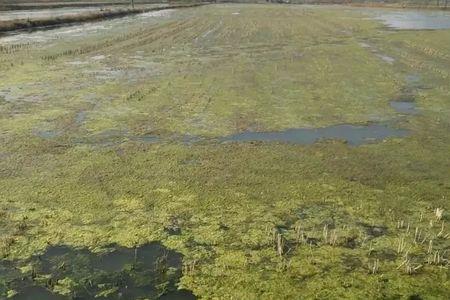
(352, 134)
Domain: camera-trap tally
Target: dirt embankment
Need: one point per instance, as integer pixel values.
(83, 17)
(42, 4)
(27, 6)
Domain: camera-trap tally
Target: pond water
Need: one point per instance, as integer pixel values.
(114, 273)
(352, 134)
(413, 19)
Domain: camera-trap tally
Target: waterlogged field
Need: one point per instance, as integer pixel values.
(226, 152)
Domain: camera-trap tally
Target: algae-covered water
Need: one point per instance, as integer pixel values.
(227, 152)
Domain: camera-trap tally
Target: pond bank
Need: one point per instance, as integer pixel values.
(52, 5)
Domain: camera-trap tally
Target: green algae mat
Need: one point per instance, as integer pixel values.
(226, 152)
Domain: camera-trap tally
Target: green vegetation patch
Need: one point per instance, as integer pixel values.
(98, 148)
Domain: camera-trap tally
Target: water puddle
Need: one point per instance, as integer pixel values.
(374, 231)
(98, 57)
(365, 45)
(405, 102)
(383, 57)
(145, 139)
(150, 271)
(386, 58)
(21, 93)
(5, 95)
(77, 63)
(404, 107)
(134, 73)
(413, 19)
(352, 134)
(80, 117)
(50, 34)
(48, 134)
(412, 79)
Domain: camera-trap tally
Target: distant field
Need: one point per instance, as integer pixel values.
(232, 151)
